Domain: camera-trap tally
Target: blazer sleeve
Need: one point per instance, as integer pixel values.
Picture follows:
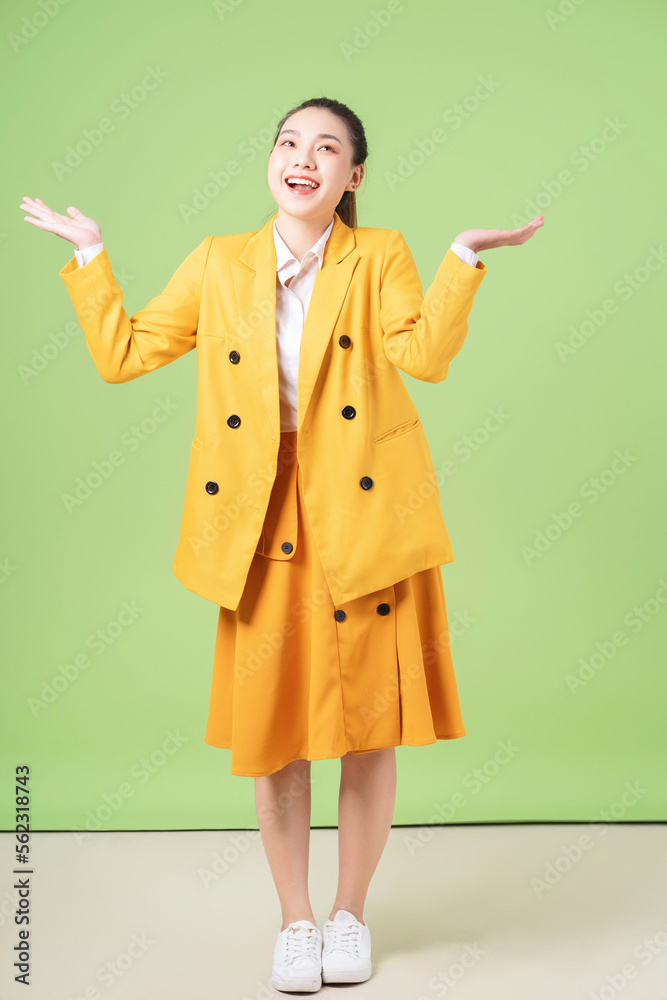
(124, 347)
(422, 333)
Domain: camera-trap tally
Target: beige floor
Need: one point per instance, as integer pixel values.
(468, 913)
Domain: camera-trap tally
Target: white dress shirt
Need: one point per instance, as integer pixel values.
(292, 302)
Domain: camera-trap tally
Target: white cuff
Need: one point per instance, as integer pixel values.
(467, 255)
(86, 255)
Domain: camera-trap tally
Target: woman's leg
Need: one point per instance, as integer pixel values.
(282, 801)
(365, 811)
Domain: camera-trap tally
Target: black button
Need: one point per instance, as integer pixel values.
(212, 487)
(287, 546)
(344, 341)
(348, 412)
(234, 357)
(234, 420)
(340, 616)
(383, 609)
(366, 482)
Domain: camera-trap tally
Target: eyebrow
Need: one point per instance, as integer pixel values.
(320, 135)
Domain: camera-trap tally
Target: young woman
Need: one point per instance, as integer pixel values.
(312, 515)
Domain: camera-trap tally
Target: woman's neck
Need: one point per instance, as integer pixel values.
(300, 235)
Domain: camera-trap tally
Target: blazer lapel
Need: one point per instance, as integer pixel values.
(255, 285)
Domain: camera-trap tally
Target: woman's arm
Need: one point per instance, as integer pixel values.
(124, 347)
(422, 333)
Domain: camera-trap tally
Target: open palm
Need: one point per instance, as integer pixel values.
(487, 239)
(75, 227)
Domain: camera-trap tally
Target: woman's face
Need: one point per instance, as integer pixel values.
(313, 143)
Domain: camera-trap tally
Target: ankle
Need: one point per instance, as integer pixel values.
(357, 913)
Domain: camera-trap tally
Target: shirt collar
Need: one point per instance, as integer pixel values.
(286, 262)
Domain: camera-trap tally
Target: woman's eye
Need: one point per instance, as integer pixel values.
(322, 147)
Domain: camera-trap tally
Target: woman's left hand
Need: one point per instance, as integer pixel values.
(487, 239)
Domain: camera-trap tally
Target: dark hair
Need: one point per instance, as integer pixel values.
(347, 206)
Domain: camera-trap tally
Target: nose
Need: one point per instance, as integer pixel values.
(305, 163)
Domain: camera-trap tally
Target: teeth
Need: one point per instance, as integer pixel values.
(301, 183)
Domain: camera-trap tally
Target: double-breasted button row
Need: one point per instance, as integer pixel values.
(343, 340)
(349, 412)
(382, 609)
(234, 421)
(365, 482)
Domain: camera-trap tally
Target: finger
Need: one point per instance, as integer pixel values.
(36, 204)
(30, 208)
(41, 213)
(45, 219)
(35, 201)
(48, 227)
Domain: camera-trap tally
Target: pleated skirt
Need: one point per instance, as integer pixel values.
(297, 677)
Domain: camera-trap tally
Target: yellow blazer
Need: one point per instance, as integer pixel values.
(368, 479)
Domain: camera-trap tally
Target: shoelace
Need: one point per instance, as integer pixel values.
(302, 942)
(343, 939)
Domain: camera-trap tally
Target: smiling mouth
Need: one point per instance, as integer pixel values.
(302, 187)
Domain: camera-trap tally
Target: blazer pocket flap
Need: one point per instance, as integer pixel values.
(402, 428)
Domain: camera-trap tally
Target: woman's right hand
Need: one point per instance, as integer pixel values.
(77, 227)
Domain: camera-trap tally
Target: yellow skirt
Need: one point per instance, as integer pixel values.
(296, 677)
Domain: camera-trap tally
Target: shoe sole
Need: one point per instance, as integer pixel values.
(347, 975)
(309, 985)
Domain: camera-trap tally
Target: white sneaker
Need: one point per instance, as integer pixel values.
(297, 958)
(346, 956)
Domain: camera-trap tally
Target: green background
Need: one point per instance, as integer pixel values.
(230, 72)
